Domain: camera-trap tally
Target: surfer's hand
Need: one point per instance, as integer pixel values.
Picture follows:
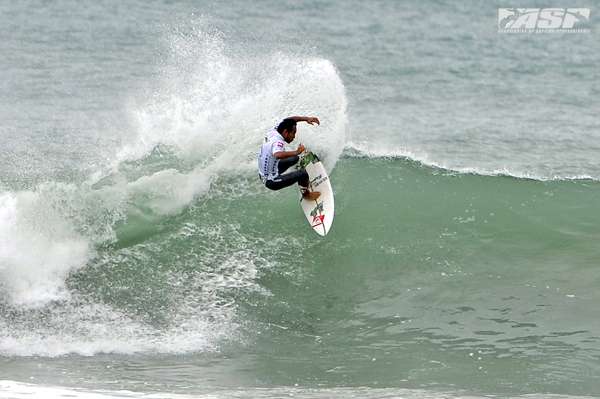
(312, 121)
(300, 149)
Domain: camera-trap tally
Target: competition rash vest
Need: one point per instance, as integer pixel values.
(267, 163)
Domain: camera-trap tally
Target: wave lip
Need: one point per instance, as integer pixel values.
(363, 150)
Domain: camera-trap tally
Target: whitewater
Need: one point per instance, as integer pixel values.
(140, 256)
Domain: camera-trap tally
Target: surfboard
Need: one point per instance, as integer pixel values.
(319, 212)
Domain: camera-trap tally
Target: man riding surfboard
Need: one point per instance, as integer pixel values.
(273, 160)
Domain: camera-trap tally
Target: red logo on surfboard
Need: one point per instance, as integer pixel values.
(318, 220)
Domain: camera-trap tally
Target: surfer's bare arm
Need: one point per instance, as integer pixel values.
(287, 154)
(308, 119)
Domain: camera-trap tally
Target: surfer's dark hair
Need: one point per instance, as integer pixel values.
(287, 124)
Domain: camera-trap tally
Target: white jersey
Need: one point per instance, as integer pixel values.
(267, 163)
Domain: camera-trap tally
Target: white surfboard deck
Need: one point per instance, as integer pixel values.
(319, 212)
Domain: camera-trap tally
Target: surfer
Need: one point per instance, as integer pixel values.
(274, 160)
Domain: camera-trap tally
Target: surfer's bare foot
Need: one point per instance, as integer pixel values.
(311, 196)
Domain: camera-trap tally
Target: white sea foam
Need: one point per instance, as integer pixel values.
(17, 390)
(212, 105)
(38, 249)
(207, 112)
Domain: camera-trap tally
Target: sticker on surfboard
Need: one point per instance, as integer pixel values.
(319, 212)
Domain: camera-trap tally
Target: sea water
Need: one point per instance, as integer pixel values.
(140, 256)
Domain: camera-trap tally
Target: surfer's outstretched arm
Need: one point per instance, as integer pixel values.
(308, 119)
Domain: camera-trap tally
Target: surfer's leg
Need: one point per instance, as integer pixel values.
(285, 163)
(286, 180)
(304, 184)
(298, 176)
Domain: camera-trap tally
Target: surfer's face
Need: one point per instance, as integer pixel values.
(289, 136)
